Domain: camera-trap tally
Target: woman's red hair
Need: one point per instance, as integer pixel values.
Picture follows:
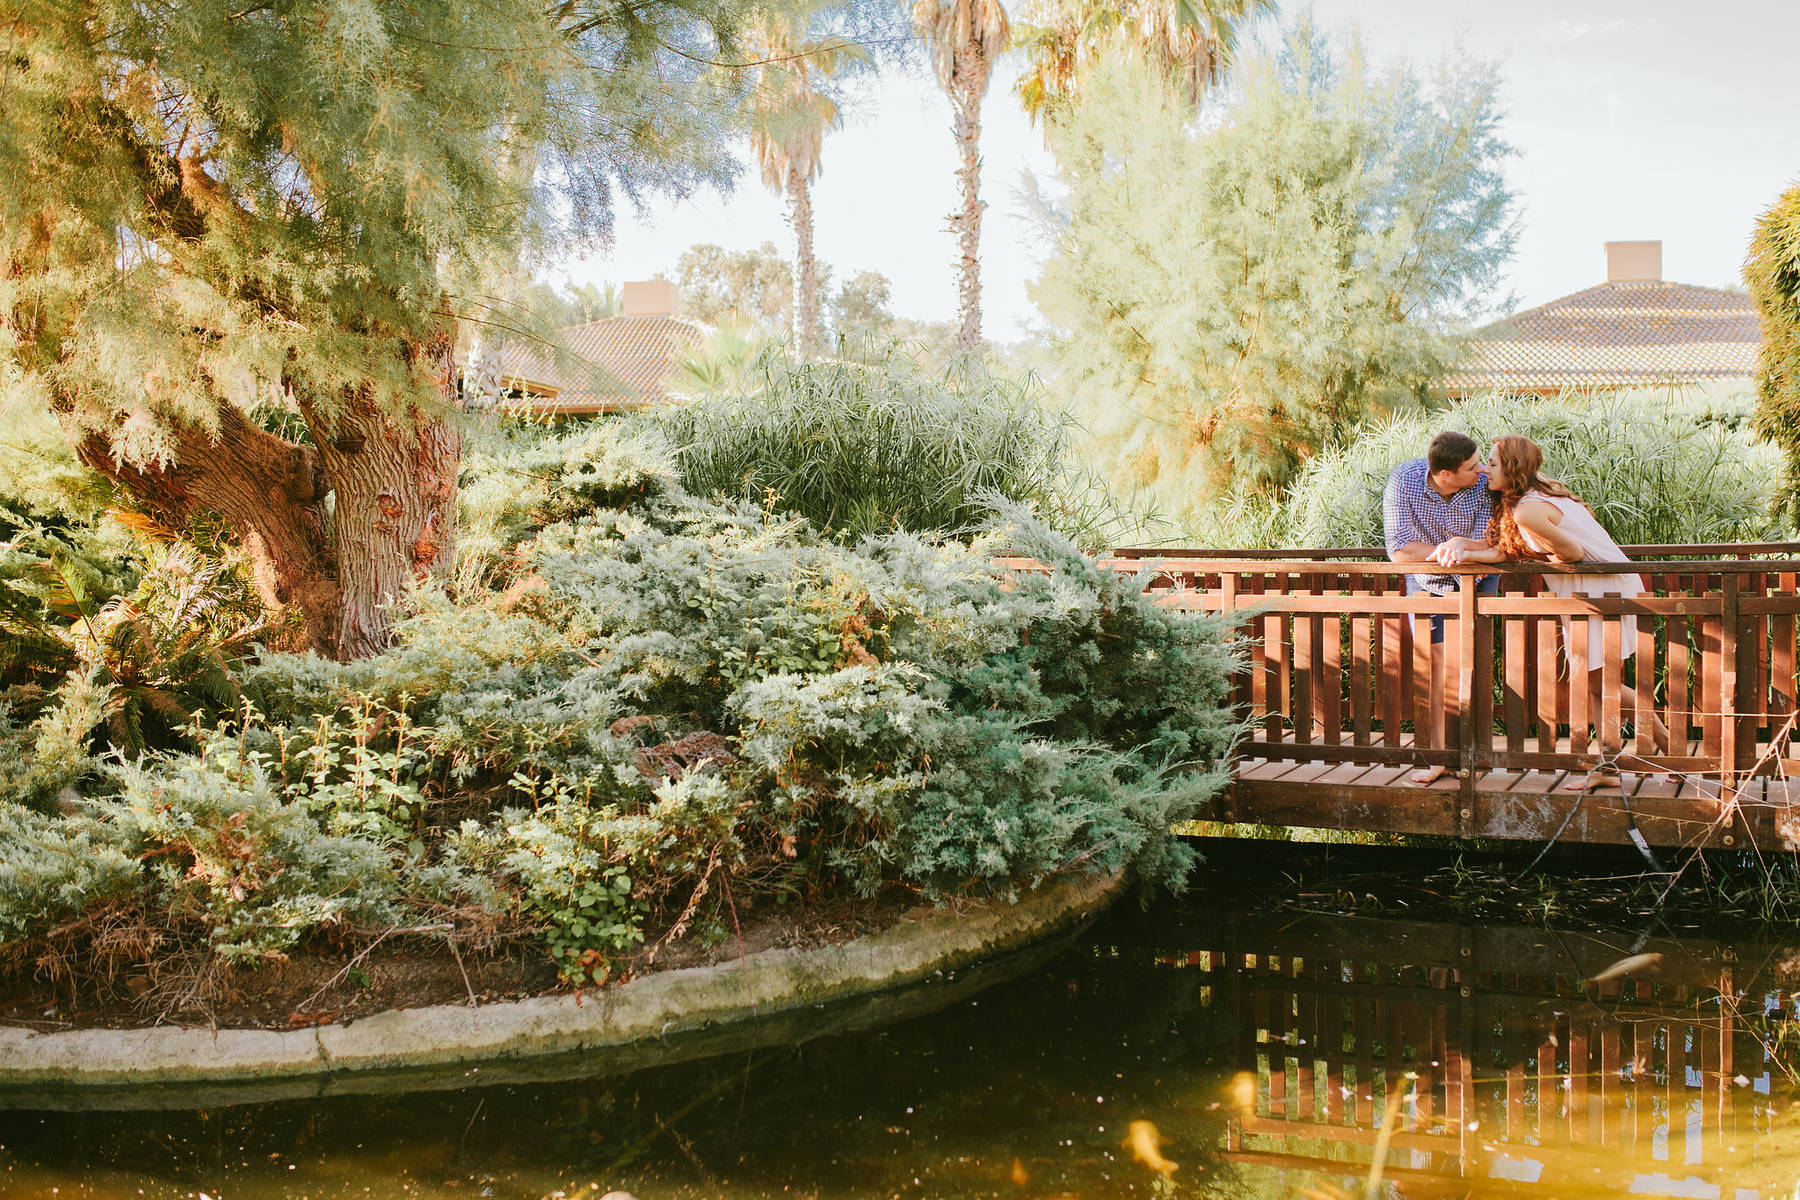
(1521, 461)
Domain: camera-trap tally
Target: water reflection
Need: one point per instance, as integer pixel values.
(1441, 1061)
(1173, 1052)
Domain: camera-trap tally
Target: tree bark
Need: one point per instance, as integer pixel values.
(806, 268)
(392, 518)
(267, 491)
(394, 512)
(965, 107)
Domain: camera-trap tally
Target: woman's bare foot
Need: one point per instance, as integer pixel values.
(1425, 775)
(1599, 777)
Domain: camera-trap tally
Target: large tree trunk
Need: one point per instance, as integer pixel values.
(806, 269)
(267, 491)
(965, 106)
(393, 511)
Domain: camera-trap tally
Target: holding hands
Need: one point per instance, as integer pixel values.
(1456, 550)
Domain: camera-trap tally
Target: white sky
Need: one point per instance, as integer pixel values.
(1633, 119)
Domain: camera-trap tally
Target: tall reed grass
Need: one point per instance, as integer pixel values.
(865, 448)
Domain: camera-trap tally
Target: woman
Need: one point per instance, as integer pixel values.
(1538, 518)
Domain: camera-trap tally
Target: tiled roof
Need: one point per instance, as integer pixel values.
(1616, 335)
(629, 357)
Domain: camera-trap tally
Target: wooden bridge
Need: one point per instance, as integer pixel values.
(1338, 681)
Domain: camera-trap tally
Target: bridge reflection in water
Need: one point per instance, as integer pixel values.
(1487, 1063)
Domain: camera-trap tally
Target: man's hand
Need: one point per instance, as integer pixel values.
(1458, 550)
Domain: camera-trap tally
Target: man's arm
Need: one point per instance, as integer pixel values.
(1398, 529)
(1466, 550)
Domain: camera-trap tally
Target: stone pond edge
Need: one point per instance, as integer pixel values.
(644, 1011)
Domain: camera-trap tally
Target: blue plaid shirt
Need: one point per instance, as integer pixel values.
(1412, 511)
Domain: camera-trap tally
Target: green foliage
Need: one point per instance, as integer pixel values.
(1649, 470)
(648, 707)
(362, 773)
(1772, 272)
(221, 845)
(54, 869)
(59, 552)
(211, 203)
(1227, 294)
(863, 449)
(113, 630)
(1191, 46)
(240, 225)
(38, 761)
(164, 652)
(754, 286)
(723, 362)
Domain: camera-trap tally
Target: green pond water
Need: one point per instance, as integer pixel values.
(1184, 1050)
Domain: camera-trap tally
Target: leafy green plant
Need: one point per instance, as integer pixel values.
(648, 707)
(868, 448)
(363, 780)
(165, 650)
(1772, 272)
(53, 752)
(56, 868)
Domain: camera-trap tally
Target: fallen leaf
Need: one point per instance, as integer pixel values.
(1637, 964)
(1146, 1146)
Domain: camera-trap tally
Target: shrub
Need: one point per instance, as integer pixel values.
(1772, 272)
(40, 760)
(53, 869)
(869, 448)
(675, 703)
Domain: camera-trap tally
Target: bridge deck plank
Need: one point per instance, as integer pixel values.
(1529, 805)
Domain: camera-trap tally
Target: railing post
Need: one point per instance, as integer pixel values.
(1730, 584)
(1751, 695)
(1473, 669)
(1240, 684)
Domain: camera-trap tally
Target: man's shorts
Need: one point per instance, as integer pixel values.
(1488, 586)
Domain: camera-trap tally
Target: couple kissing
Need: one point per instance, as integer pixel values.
(1450, 508)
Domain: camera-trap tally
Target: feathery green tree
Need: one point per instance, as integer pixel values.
(1772, 272)
(212, 202)
(1225, 298)
(720, 286)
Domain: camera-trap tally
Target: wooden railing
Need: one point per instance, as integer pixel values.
(1338, 668)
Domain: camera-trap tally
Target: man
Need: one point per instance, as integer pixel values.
(1436, 509)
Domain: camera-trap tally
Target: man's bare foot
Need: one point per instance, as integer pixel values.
(1425, 775)
(1600, 777)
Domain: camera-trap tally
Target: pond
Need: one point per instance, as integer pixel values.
(1180, 1050)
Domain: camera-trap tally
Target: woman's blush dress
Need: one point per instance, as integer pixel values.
(1597, 545)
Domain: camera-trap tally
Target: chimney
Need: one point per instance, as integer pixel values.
(652, 298)
(1634, 262)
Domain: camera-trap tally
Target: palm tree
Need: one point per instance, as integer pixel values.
(789, 116)
(1193, 41)
(965, 37)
